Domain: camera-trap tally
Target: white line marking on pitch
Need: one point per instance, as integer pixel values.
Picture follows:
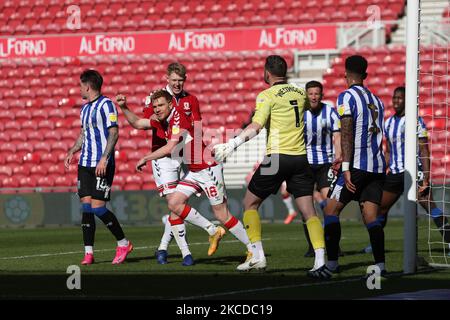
(228, 293)
(100, 250)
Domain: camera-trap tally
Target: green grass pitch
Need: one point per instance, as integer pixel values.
(33, 264)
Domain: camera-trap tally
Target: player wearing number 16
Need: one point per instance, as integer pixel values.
(280, 109)
(186, 143)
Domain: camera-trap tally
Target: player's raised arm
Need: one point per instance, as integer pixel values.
(262, 113)
(132, 118)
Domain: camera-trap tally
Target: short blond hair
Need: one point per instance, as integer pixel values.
(178, 68)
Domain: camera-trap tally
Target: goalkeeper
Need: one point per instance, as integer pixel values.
(394, 131)
(280, 109)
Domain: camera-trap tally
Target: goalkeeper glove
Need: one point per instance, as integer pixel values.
(223, 150)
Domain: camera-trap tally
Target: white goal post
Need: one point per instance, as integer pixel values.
(412, 94)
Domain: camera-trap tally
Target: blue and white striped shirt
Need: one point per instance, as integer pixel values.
(394, 131)
(367, 112)
(96, 118)
(319, 129)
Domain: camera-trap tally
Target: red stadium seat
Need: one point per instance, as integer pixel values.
(59, 145)
(24, 146)
(10, 183)
(18, 137)
(45, 182)
(133, 182)
(8, 147)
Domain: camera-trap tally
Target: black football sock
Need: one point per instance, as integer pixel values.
(88, 227)
(110, 221)
(332, 236)
(376, 234)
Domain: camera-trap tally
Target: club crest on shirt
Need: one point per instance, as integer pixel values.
(186, 106)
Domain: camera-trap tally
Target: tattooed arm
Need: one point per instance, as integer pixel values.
(75, 148)
(347, 150)
(113, 136)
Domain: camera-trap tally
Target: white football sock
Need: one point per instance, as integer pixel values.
(319, 258)
(122, 243)
(179, 233)
(88, 249)
(167, 236)
(259, 251)
(289, 205)
(239, 232)
(195, 218)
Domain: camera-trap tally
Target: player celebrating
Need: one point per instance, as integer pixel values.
(98, 137)
(393, 187)
(280, 108)
(363, 166)
(166, 170)
(204, 174)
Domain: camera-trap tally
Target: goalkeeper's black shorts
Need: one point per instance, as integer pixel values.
(276, 168)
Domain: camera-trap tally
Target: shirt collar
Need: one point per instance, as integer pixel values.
(170, 115)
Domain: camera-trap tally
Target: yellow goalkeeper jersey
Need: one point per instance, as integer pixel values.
(280, 109)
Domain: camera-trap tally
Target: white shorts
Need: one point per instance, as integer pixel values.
(209, 180)
(166, 172)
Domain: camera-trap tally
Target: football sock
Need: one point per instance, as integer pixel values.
(237, 229)
(167, 236)
(319, 258)
(88, 225)
(289, 204)
(332, 264)
(88, 249)
(376, 234)
(258, 250)
(442, 223)
(381, 265)
(110, 221)
(123, 242)
(193, 216)
(179, 232)
(315, 231)
(305, 229)
(382, 219)
(252, 225)
(332, 236)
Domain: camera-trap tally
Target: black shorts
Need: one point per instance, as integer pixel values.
(99, 188)
(394, 183)
(275, 169)
(369, 187)
(322, 174)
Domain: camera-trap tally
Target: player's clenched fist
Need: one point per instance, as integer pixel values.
(121, 100)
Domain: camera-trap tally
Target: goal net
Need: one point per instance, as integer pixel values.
(434, 110)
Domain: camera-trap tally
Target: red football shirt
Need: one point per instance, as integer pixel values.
(178, 127)
(185, 103)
